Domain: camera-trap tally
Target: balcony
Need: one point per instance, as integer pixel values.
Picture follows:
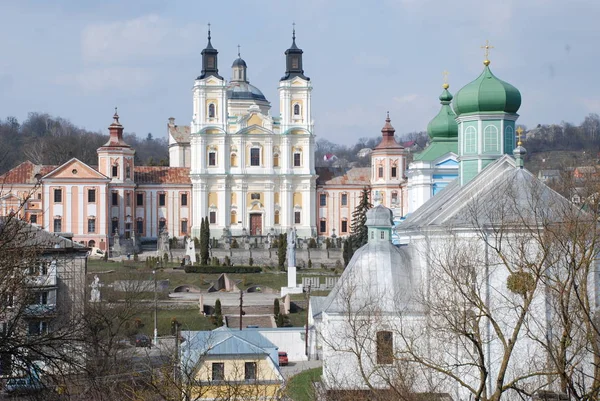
(42, 280)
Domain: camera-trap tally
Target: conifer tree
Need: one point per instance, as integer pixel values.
(218, 316)
(347, 251)
(276, 308)
(360, 232)
(204, 234)
(281, 251)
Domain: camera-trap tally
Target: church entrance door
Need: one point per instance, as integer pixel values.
(255, 224)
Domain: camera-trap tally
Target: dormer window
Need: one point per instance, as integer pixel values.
(211, 110)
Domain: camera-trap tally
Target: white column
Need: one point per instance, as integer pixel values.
(269, 206)
(82, 212)
(67, 209)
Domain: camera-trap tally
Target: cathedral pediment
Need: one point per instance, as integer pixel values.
(75, 169)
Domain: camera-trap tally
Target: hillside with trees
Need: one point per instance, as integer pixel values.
(44, 139)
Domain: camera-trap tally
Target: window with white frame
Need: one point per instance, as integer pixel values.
(490, 139)
(296, 110)
(470, 140)
(211, 110)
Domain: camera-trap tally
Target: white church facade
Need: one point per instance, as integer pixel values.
(250, 172)
(471, 304)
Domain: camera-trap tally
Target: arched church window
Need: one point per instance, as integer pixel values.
(276, 220)
(297, 158)
(470, 140)
(490, 139)
(233, 217)
(211, 110)
(233, 160)
(385, 347)
(394, 198)
(509, 139)
(276, 160)
(296, 109)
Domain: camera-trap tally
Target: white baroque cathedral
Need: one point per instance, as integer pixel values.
(250, 172)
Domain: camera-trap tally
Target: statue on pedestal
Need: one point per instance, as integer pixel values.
(95, 293)
(291, 247)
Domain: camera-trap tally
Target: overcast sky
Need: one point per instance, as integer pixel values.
(78, 59)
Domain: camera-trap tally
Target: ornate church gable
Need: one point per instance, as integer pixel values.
(254, 130)
(447, 162)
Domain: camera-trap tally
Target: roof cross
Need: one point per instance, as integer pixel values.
(487, 48)
(239, 51)
(519, 134)
(293, 30)
(209, 31)
(445, 75)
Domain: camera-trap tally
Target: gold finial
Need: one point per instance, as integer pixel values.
(445, 75)
(487, 48)
(519, 133)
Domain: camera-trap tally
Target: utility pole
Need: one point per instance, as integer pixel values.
(306, 326)
(241, 307)
(155, 310)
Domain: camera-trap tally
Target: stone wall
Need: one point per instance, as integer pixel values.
(268, 257)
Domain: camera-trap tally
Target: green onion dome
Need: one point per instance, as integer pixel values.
(487, 94)
(443, 125)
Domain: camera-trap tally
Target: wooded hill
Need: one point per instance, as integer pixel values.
(44, 139)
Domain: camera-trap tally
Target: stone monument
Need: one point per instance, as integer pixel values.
(190, 250)
(292, 286)
(95, 293)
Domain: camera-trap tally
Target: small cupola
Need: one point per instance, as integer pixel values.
(209, 60)
(116, 133)
(388, 141)
(380, 221)
(443, 125)
(293, 60)
(238, 69)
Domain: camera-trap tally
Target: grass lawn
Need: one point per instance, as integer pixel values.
(300, 387)
(138, 271)
(190, 319)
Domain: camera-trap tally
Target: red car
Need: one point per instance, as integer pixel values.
(283, 359)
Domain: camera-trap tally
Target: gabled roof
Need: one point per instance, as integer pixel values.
(180, 133)
(25, 173)
(336, 176)
(77, 169)
(162, 175)
(501, 193)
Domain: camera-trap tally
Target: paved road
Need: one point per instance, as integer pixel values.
(296, 367)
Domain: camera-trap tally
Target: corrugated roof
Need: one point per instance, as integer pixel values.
(162, 175)
(25, 173)
(500, 194)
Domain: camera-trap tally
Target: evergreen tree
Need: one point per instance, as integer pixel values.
(218, 315)
(276, 308)
(347, 251)
(204, 234)
(360, 232)
(281, 320)
(282, 250)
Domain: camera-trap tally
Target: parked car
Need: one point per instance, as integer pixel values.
(142, 340)
(283, 358)
(96, 253)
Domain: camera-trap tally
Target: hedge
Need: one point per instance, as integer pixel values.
(223, 269)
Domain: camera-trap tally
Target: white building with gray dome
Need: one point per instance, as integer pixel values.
(251, 173)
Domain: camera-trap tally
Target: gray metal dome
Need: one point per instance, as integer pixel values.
(380, 216)
(243, 90)
(239, 62)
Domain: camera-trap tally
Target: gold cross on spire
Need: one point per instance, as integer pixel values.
(445, 75)
(519, 134)
(487, 48)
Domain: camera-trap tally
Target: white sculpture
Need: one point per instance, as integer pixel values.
(190, 250)
(95, 293)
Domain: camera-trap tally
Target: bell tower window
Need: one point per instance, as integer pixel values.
(296, 109)
(295, 63)
(211, 110)
(210, 62)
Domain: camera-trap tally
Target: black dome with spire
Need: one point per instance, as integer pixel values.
(209, 61)
(293, 61)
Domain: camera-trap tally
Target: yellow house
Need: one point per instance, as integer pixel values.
(227, 364)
